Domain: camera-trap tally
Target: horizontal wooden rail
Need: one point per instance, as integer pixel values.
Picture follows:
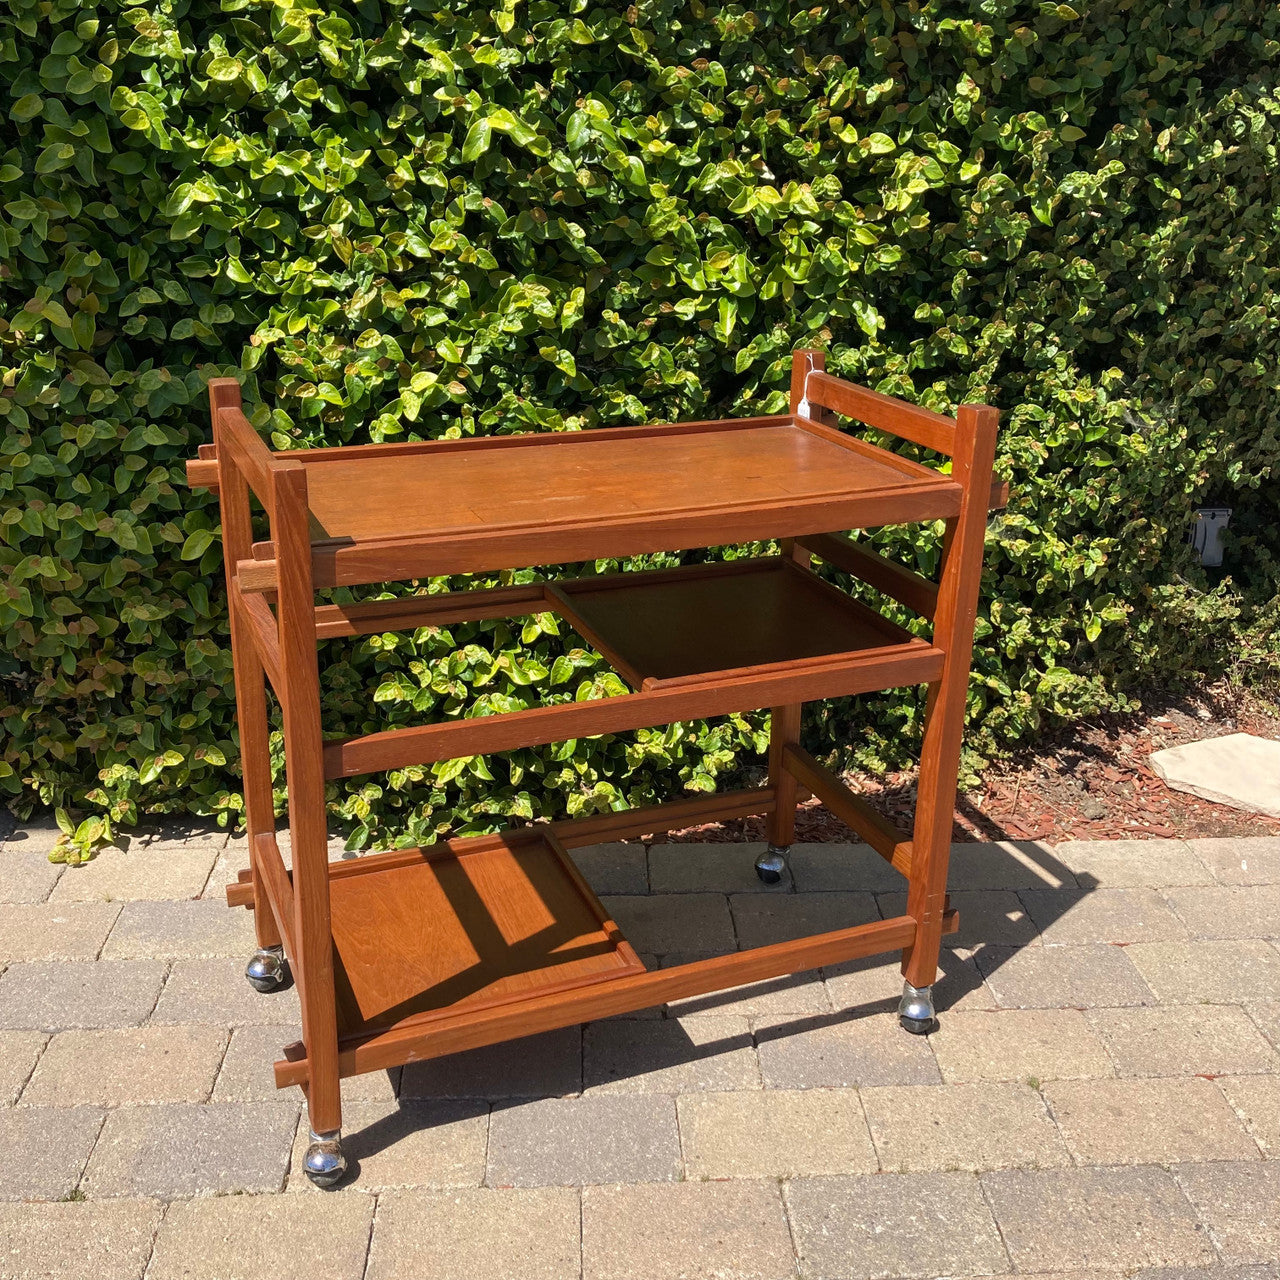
(903, 585)
(890, 843)
(894, 666)
(446, 609)
(574, 833)
(908, 421)
(258, 575)
(453, 1031)
(202, 473)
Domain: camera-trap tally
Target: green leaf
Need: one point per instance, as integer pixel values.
(27, 107)
(477, 140)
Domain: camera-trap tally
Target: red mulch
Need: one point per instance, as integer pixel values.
(1090, 781)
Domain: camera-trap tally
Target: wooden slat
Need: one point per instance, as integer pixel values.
(908, 421)
(443, 610)
(999, 498)
(466, 1030)
(890, 843)
(903, 585)
(573, 833)
(202, 473)
(258, 575)
(245, 449)
(260, 623)
(891, 667)
(276, 880)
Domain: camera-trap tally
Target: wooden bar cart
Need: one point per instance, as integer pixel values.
(416, 953)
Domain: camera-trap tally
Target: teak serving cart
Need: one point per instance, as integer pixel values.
(417, 953)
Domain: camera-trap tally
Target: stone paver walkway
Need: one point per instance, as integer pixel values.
(1102, 1099)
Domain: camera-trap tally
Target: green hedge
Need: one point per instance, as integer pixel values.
(406, 220)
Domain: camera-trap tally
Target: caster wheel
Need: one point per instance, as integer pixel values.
(915, 1010)
(268, 969)
(771, 865)
(324, 1162)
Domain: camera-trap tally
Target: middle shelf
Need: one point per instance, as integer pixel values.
(694, 643)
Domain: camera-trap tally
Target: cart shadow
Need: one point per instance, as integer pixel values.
(1004, 867)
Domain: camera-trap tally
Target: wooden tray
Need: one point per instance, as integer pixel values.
(384, 512)
(426, 933)
(703, 622)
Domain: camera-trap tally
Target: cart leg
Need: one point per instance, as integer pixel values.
(784, 727)
(268, 969)
(324, 1162)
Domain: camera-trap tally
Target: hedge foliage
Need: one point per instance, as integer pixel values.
(402, 220)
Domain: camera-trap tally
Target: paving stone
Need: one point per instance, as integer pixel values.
(962, 1126)
(55, 931)
(614, 868)
(127, 1065)
(1115, 1219)
(186, 1150)
(1208, 1273)
(910, 1224)
(26, 874)
(1241, 860)
(1240, 1204)
(790, 995)
(264, 1238)
(1183, 1040)
(19, 1051)
(1147, 1121)
(1121, 864)
(392, 1145)
(1229, 911)
(760, 920)
(671, 1055)
(1064, 977)
(183, 833)
(991, 917)
(1256, 1100)
(476, 1235)
(554, 1142)
(1266, 1017)
(36, 835)
(1223, 972)
(1102, 915)
(870, 1050)
(674, 921)
(217, 992)
(180, 931)
(723, 867)
(675, 1231)
(856, 867)
(1019, 1045)
(45, 1149)
(542, 1066)
(115, 875)
(875, 984)
(110, 1240)
(246, 1073)
(774, 1133)
(1007, 864)
(1239, 769)
(53, 995)
(232, 860)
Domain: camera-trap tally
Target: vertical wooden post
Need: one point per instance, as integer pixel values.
(944, 714)
(251, 688)
(304, 768)
(784, 722)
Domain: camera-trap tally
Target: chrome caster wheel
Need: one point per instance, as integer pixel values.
(268, 969)
(915, 1010)
(324, 1162)
(771, 865)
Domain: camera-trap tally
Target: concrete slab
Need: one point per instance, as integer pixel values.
(1240, 769)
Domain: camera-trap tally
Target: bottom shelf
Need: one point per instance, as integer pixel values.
(433, 933)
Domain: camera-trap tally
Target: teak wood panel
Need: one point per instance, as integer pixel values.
(434, 930)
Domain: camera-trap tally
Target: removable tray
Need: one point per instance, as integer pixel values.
(685, 625)
(431, 932)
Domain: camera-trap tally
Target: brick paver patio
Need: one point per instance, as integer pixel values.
(1102, 1099)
